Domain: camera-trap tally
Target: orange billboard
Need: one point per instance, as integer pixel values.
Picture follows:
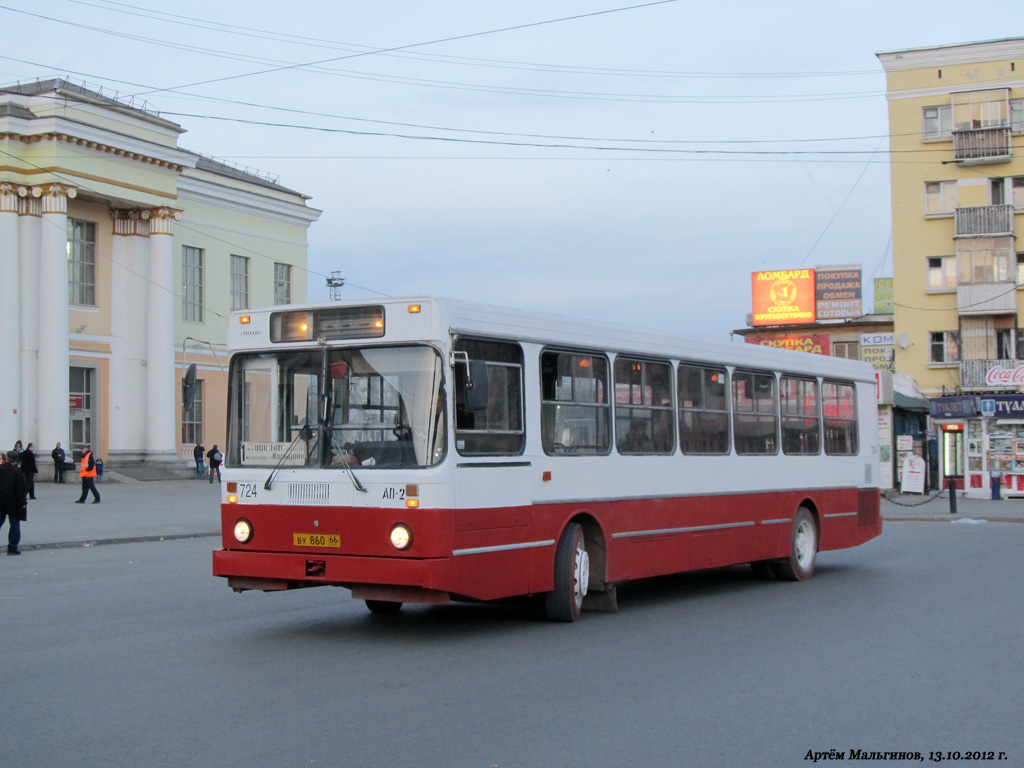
(783, 297)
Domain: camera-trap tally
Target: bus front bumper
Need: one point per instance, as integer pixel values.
(274, 571)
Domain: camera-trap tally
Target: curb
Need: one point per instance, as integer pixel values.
(952, 518)
(105, 542)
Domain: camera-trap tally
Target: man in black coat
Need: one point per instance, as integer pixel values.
(12, 500)
(57, 454)
(29, 469)
(215, 457)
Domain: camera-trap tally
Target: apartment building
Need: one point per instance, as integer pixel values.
(956, 118)
(122, 257)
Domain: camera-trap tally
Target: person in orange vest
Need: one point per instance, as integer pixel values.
(88, 475)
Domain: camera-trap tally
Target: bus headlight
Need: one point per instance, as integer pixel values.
(243, 531)
(401, 537)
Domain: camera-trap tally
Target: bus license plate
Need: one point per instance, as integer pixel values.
(317, 540)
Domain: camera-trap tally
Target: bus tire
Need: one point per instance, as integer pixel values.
(383, 606)
(572, 572)
(803, 549)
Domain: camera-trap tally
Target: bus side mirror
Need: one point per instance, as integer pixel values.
(188, 389)
(475, 390)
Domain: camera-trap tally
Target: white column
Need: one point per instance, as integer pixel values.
(128, 318)
(10, 337)
(161, 391)
(30, 212)
(53, 316)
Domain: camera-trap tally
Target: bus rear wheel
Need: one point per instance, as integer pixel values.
(572, 573)
(383, 606)
(803, 549)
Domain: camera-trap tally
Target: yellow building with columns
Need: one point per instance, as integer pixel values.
(123, 256)
(956, 119)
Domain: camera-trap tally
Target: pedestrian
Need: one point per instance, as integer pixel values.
(29, 469)
(88, 475)
(57, 454)
(197, 452)
(18, 451)
(13, 506)
(215, 457)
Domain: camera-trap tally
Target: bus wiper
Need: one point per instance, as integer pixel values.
(305, 434)
(345, 456)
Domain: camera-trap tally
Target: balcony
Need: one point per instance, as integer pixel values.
(984, 220)
(991, 375)
(982, 146)
(986, 298)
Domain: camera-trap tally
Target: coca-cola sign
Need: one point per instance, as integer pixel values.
(1005, 377)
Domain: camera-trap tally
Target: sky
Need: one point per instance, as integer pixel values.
(630, 162)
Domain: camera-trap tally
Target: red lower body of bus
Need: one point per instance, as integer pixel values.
(488, 554)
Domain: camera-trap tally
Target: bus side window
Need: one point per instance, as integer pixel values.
(703, 410)
(643, 407)
(575, 413)
(839, 407)
(801, 416)
(755, 413)
(498, 429)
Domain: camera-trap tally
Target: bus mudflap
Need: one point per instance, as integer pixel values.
(399, 594)
(242, 583)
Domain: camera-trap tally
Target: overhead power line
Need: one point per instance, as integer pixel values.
(263, 34)
(275, 65)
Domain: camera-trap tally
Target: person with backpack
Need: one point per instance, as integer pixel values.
(215, 457)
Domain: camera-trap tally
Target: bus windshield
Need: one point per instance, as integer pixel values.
(372, 407)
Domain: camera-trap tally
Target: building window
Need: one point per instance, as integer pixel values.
(1007, 191)
(984, 260)
(755, 411)
(940, 198)
(703, 410)
(1017, 115)
(850, 350)
(643, 407)
(938, 122)
(192, 284)
(239, 282)
(941, 272)
(944, 347)
(192, 421)
(81, 262)
(1020, 269)
(574, 403)
(801, 421)
(282, 283)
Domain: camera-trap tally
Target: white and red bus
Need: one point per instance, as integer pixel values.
(427, 450)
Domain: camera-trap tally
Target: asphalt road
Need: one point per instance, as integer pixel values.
(133, 655)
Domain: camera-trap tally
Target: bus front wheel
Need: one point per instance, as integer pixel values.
(572, 573)
(803, 549)
(383, 606)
